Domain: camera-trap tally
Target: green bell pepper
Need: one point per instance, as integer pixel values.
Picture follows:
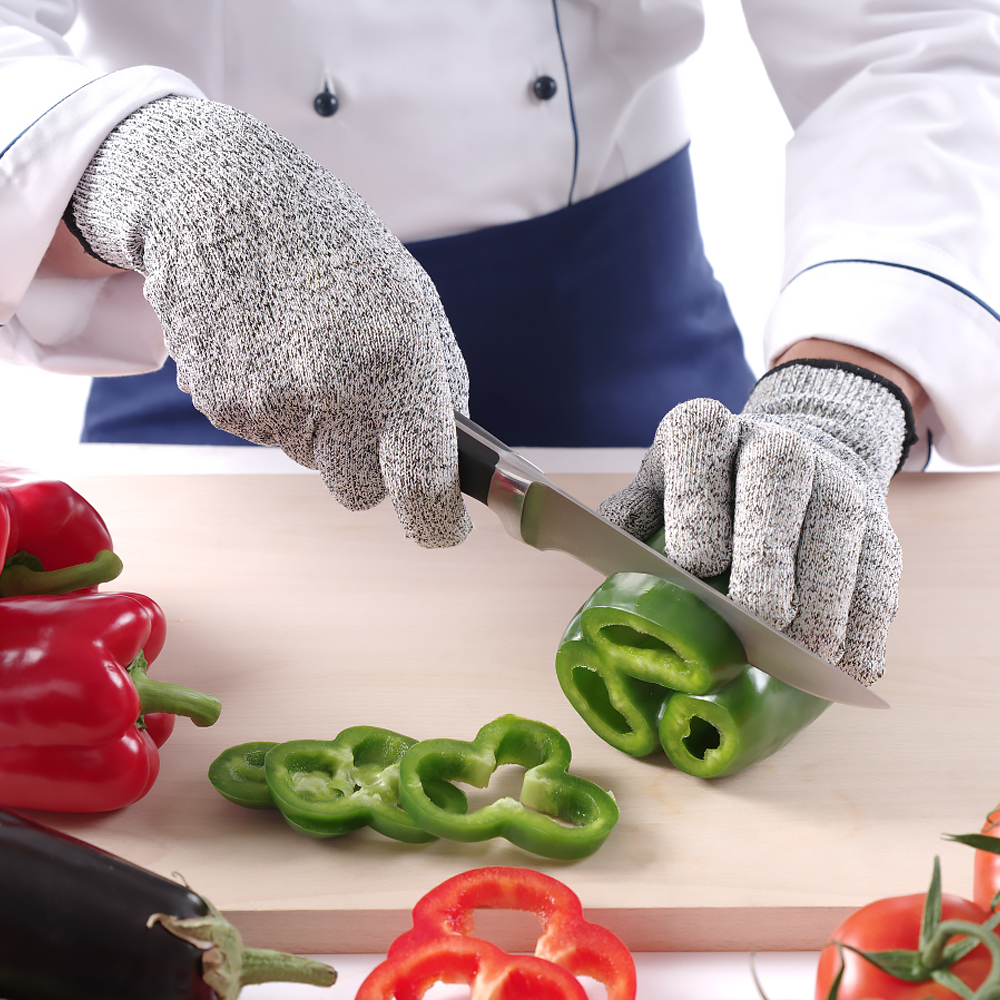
(747, 720)
(649, 666)
(634, 642)
(559, 815)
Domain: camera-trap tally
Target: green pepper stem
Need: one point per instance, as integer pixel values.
(22, 575)
(175, 699)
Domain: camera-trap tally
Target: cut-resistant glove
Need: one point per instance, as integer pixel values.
(789, 496)
(295, 317)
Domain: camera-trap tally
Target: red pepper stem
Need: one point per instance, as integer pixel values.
(22, 575)
(174, 699)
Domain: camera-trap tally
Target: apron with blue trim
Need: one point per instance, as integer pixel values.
(580, 328)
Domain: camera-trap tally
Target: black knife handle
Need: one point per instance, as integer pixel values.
(477, 458)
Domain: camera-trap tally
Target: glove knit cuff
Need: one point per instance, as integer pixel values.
(865, 417)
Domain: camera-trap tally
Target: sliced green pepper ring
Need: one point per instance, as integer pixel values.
(238, 774)
(658, 632)
(622, 710)
(620, 676)
(636, 641)
(747, 720)
(559, 815)
(325, 788)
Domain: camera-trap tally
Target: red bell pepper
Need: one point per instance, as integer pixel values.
(53, 541)
(440, 947)
(75, 735)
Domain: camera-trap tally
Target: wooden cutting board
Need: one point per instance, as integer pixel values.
(305, 619)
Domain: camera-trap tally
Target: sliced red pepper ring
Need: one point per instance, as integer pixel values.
(440, 947)
(491, 972)
(325, 788)
(559, 815)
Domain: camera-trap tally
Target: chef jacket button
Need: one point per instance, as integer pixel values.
(544, 88)
(326, 103)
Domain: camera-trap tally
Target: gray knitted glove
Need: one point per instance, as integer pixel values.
(790, 496)
(294, 316)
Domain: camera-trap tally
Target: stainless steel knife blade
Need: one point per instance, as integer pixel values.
(534, 510)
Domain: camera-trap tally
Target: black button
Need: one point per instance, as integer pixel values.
(544, 88)
(326, 104)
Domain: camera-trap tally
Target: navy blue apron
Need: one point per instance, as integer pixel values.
(580, 328)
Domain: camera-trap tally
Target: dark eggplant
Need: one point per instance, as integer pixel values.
(78, 922)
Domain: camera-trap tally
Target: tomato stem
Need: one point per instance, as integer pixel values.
(933, 953)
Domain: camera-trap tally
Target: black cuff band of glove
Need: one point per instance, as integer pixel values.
(69, 217)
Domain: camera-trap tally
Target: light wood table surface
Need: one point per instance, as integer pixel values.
(305, 619)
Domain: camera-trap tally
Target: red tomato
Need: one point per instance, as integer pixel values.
(986, 867)
(895, 923)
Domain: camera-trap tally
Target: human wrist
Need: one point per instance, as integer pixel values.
(66, 257)
(816, 348)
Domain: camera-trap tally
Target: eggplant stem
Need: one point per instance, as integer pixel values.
(262, 965)
(227, 966)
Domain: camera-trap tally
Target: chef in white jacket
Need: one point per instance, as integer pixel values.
(227, 190)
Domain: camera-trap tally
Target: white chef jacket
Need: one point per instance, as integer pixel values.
(893, 204)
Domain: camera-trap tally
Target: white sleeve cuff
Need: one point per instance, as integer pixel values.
(41, 166)
(943, 335)
(98, 326)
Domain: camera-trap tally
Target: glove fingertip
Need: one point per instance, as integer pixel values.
(864, 658)
(637, 509)
(352, 477)
(440, 534)
(419, 464)
(353, 492)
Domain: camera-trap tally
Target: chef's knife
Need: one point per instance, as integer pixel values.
(535, 511)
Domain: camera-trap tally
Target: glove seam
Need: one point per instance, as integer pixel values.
(910, 436)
